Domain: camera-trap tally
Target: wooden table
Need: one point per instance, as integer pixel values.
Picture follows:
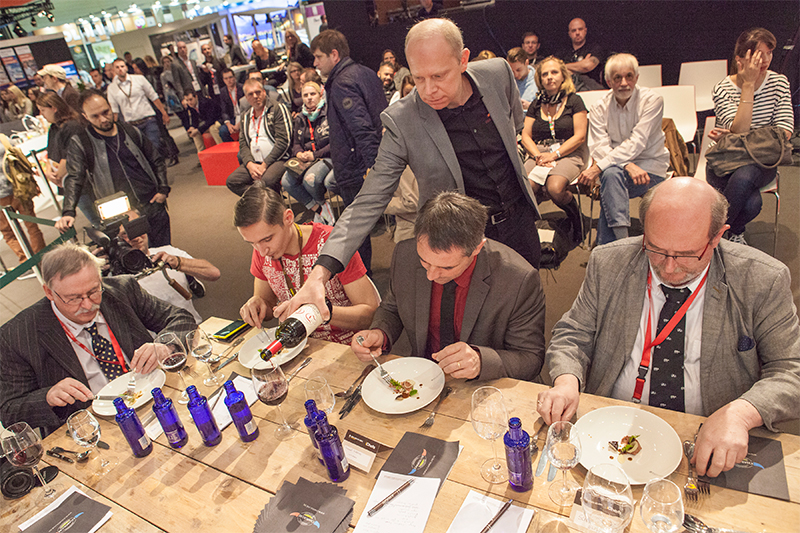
(224, 488)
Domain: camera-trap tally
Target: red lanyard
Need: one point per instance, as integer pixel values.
(311, 129)
(117, 349)
(648, 348)
(258, 124)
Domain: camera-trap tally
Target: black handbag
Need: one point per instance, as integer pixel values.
(297, 167)
(767, 147)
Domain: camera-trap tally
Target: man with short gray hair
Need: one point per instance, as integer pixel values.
(57, 354)
(484, 302)
(627, 145)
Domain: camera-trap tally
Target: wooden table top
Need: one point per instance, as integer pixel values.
(225, 487)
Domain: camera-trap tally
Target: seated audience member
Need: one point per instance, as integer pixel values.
(485, 302)
(61, 351)
(33, 95)
(98, 79)
(750, 98)
(180, 264)
(16, 104)
(54, 78)
(554, 135)
(290, 92)
(626, 144)
(311, 147)
(21, 203)
(524, 74)
(283, 255)
(400, 71)
(311, 74)
(484, 54)
(112, 157)
(734, 299)
(297, 51)
(429, 9)
(263, 57)
(235, 51)
(407, 85)
(264, 141)
(202, 115)
(386, 74)
(584, 59)
(530, 43)
(229, 104)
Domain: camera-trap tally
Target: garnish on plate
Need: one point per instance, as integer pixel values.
(403, 389)
(130, 398)
(629, 445)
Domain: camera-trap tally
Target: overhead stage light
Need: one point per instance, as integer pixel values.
(50, 16)
(33, 22)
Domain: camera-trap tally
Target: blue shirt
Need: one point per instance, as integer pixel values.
(527, 87)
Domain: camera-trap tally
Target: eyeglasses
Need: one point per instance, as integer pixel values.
(681, 259)
(94, 295)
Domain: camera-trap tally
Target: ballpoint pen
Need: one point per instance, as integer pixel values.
(390, 497)
(497, 517)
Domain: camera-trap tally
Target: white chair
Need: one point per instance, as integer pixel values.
(703, 75)
(700, 169)
(679, 106)
(590, 97)
(774, 188)
(649, 76)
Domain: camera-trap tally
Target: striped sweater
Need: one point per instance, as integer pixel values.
(772, 106)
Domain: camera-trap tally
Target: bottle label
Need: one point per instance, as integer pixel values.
(309, 316)
(173, 436)
(144, 441)
(345, 464)
(250, 427)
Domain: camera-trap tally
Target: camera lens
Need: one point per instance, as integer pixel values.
(15, 482)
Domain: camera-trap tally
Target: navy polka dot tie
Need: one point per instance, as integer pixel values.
(666, 379)
(104, 352)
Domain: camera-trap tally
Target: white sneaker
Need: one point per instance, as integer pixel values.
(327, 214)
(737, 238)
(318, 219)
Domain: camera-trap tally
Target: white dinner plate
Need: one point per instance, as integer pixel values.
(661, 447)
(250, 358)
(428, 380)
(144, 383)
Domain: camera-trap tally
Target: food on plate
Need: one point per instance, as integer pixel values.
(404, 389)
(130, 398)
(629, 445)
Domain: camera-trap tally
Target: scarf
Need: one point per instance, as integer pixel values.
(313, 115)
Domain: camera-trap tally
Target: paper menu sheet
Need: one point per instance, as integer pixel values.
(406, 513)
(478, 509)
(72, 506)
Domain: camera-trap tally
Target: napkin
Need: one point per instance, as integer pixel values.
(323, 506)
(73, 506)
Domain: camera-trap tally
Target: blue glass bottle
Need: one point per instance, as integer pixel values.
(240, 413)
(330, 446)
(203, 418)
(311, 421)
(132, 428)
(169, 420)
(518, 456)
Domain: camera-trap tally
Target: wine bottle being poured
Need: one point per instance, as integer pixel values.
(294, 329)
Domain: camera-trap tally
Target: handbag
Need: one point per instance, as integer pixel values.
(767, 147)
(297, 168)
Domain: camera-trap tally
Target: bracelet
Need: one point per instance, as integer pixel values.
(558, 153)
(178, 268)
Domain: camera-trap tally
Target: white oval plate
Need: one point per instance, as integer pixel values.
(144, 383)
(661, 447)
(427, 376)
(249, 357)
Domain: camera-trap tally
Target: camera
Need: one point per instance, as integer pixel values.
(15, 482)
(122, 257)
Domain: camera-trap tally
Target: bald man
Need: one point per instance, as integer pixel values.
(583, 58)
(733, 352)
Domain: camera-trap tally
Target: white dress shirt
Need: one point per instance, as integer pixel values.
(619, 135)
(97, 380)
(260, 142)
(624, 386)
(132, 97)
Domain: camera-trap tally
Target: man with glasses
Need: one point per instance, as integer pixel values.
(60, 352)
(679, 320)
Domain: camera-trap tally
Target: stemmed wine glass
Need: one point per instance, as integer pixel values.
(172, 358)
(607, 498)
(564, 451)
(197, 342)
(662, 506)
(489, 420)
(317, 389)
(85, 431)
(23, 448)
(272, 388)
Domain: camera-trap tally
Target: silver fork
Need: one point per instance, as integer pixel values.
(429, 421)
(132, 383)
(385, 376)
(690, 489)
(703, 486)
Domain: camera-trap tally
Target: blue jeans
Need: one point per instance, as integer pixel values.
(224, 134)
(742, 188)
(616, 190)
(310, 190)
(150, 130)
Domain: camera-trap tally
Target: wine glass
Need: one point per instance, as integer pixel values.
(607, 498)
(317, 389)
(23, 448)
(489, 420)
(272, 388)
(85, 431)
(172, 358)
(564, 451)
(197, 342)
(662, 506)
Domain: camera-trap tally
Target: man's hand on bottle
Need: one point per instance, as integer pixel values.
(254, 311)
(312, 292)
(372, 343)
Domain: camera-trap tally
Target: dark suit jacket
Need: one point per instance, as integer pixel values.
(202, 118)
(226, 106)
(503, 317)
(35, 353)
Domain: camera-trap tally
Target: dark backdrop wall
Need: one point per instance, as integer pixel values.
(657, 32)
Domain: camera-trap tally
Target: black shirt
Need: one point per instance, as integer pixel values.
(126, 172)
(58, 137)
(573, 56)
(564, 125)
(489, 175)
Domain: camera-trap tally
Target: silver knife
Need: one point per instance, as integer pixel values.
(354, 399)
(542, 460)
(551, 474)
(299, 368)
(228, 360)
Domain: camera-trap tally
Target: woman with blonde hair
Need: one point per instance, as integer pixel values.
(297, 51)
(17, 105)
(554, 135)
(290, 93)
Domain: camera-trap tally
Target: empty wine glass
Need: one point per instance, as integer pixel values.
(272, 388)
(317, 389)
(23, 448)
(85, 431)
(607, 498)
(198, 343)
(662, 506)
(489, 420)
(172, 358)
(563, 449)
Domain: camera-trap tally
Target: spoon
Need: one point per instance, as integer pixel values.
(80, 457)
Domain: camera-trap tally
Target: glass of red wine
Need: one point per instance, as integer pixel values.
(172, 358)
(23, 448)
(272, 388)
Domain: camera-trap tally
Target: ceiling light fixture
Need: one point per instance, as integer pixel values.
(33, 22)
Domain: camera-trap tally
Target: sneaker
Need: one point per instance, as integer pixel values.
(327, 214)
(318, 219)
(737, 238)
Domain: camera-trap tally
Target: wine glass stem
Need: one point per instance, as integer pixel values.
(211, 373)
(103, 462)
(285, 423)
(48, 491)
(496, 465)
(183, 381)
(564, 485)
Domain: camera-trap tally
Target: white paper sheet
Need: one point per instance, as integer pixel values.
(407, 513)
(478, 509)
(58, 501)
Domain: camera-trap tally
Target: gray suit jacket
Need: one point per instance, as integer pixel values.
(35, 353)
(503, 316)
(415, 136)
(747, 295)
